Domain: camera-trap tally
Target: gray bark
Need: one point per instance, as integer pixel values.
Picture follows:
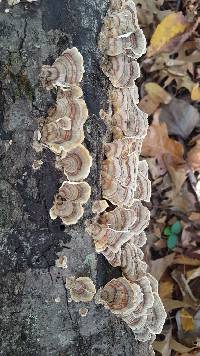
(32, 322)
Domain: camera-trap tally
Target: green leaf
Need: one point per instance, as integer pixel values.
(172, 241)
(176, 228)
(167, 231)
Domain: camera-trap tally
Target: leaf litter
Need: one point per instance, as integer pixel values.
(170, 94)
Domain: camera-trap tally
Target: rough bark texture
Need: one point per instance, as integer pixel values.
(33, 320)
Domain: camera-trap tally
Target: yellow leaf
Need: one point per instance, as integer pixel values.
(195, 95)
(184, 260)
(187, 321)
(167, 31)
(157, 93)
(165, 289)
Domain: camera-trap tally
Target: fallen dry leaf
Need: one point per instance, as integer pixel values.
(184, 287)
(159, 266)
(176, 71)
(181, 117)
(183, 201)
(148, 12)
(187, 321)
(195, 216)
(176, 346)
(163, 347)
(186, 236)
(166, 289)
(184, 260)
(156, 168)
(178, 175)
(158, 144)
(195, 94)
(193, 156)
(192, 274)
(171, 304)
(169, 35)
(156, 95)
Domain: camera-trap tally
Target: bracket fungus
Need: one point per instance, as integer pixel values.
(99, 206)
(76, 163)
(137, 304)
(121, 70)
(68, 202)
(118, 233)
(120, 297)
(63, 134)
(81, 289)
(66, 70)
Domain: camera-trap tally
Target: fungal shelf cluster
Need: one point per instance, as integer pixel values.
(118, 226)
(63, 134)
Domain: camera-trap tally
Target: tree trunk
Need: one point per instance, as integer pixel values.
(37, 317)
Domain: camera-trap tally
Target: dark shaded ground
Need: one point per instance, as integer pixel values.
(37, 317)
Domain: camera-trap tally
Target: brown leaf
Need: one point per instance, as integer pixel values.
(186, 236)
(158, 144)
(176, 346)
(187, 294)
(171, 304)
(184, 260)
(194, 216)
(156, 95)
(183, 201)
(147, 105)
(163, 347)
(159, 266)
(178, 175)
(193, 157)
(181, 117)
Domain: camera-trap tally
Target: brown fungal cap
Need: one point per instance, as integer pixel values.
(122, 71)
(133, 268)
(81, 289)
(67, 106)
(143, 190)
(68, 202)
(120, 297)
(61, 262)
(66, 70)
(75, 192)
(76, 163)
(99, 206)
(122, 148)
(133, 45)
(104, 237)
(58, 135)
(69, 212)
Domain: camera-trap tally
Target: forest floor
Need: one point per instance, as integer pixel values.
(170, 94)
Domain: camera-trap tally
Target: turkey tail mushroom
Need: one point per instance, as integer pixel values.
(81, 289)
(76, 163)
(66, 70)
(63, 134)
(118, 233)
